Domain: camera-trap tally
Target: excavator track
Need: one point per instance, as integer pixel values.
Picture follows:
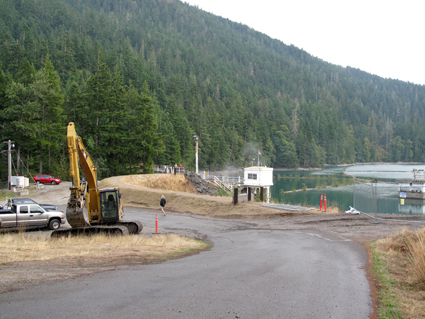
(112, 230)
(133, 226)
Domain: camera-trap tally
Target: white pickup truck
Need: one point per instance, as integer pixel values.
(23, 216)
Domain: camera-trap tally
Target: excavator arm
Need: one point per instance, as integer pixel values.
(83, 207)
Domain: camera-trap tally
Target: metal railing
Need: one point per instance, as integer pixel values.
(224, 186)
(226, 179)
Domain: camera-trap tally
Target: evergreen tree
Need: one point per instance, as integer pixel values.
(114, 134)
(49, 102)
(26, 73)
(100, 98)
(21, 118)
(285, 151)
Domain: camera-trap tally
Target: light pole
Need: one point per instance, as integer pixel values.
(196, 153)
(9, 163)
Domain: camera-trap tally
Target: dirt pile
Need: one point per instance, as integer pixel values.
(167, 182)
(201, 186)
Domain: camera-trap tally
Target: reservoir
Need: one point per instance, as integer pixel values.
(349, 186)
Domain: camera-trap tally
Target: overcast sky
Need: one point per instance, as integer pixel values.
(385, 38)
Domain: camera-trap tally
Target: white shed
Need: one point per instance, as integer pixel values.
(20, 181)
(258, 176)
(255, 177)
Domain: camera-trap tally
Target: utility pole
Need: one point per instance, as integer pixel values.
(9, 163)
(196, 153)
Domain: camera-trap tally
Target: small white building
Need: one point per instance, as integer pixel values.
(20, 181)
(256, 177)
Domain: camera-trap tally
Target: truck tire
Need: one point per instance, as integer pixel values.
(53, 183)
(54, 224)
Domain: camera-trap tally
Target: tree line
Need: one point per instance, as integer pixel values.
(140, 78)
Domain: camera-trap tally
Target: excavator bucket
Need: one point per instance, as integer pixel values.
(76, 212)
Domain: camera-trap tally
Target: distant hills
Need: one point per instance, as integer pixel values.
(140, 78)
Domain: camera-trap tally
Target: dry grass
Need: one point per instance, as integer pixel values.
(189, 203)
(409, 246)
(28, 260)
(16, 248)
(168, 182)
(331, 210)
(404, 255)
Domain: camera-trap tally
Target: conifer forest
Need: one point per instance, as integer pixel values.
(140, 78)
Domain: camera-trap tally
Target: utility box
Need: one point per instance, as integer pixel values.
(20, 181)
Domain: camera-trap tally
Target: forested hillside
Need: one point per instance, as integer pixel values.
(140, 78)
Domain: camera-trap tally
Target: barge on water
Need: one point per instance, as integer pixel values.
(413, 189)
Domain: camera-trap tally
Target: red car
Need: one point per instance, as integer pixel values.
(46, 179)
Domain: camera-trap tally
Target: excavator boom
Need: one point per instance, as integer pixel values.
(76, 213)
(82, 192)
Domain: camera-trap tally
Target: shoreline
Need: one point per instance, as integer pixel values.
(346, 165)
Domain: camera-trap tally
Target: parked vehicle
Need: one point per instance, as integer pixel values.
(46, 179)
(30, 216)
(12, 201)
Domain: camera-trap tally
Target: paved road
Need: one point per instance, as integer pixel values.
(251, 272)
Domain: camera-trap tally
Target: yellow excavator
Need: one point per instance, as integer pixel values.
(90, 209)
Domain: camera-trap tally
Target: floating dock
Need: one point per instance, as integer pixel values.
(414, 189)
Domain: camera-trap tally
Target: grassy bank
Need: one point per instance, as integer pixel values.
(18, 247)
(399, 268)
(27, 259)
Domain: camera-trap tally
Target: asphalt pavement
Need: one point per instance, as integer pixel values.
(251, 272)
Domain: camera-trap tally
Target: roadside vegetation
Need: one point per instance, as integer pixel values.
(24, 247)
(26, 258)
(399, 268)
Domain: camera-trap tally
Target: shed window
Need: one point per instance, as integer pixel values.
(252, 176)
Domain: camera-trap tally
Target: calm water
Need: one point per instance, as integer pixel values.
(342, 192)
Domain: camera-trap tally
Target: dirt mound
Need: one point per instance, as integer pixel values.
(167, 182)
(201, 186)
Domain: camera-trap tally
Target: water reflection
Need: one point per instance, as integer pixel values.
(293, 180)
(342, 192)
(412, 206)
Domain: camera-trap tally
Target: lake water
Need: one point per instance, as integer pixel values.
(343, 190)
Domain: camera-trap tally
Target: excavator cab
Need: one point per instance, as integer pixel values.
(110, 202)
